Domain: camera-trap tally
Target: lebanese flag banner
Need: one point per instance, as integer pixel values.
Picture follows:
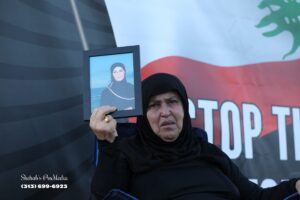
(240, 63)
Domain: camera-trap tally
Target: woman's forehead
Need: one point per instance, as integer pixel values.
(166, 95)
(118, 68)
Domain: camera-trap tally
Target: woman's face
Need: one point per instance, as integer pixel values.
(118, 73)
(165, 115)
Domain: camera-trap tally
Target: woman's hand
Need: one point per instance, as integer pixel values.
(298, 186)
(103, 124)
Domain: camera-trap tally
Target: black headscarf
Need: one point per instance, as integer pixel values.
(113, 66)
(148, 150)
(121, 88)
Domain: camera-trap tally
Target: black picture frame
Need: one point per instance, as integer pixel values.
(97, 80)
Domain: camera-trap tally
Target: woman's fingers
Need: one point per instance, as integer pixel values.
(112, 133)
(100, 112)
(103, 124)
(298, 186)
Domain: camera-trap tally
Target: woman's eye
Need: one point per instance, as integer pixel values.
(152, 105)
(172, 101)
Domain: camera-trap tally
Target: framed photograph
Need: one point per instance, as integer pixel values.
(112, 77)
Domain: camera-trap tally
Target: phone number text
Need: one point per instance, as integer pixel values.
(44, 186)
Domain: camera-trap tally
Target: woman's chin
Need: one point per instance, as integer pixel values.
(169, 137)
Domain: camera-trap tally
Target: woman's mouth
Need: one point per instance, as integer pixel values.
(166, 124)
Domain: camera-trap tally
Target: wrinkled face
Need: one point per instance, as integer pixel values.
(165, 115)
(118, 73)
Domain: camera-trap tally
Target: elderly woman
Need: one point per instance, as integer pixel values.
(165, 160)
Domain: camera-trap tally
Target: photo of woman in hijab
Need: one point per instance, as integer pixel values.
(119, 92)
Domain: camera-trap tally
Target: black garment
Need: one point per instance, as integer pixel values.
(212, 176)
(120, 94)
(149, 168)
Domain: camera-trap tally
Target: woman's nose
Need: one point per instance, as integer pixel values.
(164, 110)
